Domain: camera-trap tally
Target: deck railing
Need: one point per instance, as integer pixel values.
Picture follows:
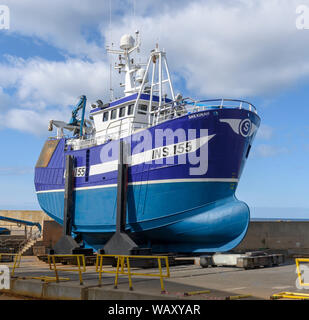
(172, 110)
(222, 104)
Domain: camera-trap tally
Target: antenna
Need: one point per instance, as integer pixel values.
(111, 90)
(110, 21)
(134, 22)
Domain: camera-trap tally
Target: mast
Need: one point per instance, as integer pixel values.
(136, 77)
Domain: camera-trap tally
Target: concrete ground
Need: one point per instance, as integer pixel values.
(4, 296)
(222, 282)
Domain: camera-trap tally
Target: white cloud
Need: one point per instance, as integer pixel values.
(265, 151)
(265, 132)
(45, 83)
(5, 100)
(240, 48)
(231, 49)
(45, 89)
(60, 23)
(32, 121)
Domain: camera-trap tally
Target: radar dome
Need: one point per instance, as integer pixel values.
(140, 75)
(126, 42)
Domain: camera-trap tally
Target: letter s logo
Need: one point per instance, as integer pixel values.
(245, 127)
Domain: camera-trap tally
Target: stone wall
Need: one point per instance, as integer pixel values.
(52, 232)
(27, 215)
(292, 236)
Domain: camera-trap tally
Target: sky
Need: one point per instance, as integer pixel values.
(55, 51)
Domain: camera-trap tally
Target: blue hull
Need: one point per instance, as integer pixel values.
(4, 231)
(168, 209)
(170, 225)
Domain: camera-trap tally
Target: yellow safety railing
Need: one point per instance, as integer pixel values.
(290, 295)
(16, 260)
(46, 278)
(125, 259)
(195, 293)
(298, 260)
(81, 265)
(294, 295)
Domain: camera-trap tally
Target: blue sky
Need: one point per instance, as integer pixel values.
(54, 51)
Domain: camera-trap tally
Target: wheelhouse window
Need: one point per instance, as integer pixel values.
(130, 109)
(105, 116)
(113, 114)
(122, 112)
(142, 109)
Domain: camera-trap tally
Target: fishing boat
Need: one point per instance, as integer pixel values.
(185, 158)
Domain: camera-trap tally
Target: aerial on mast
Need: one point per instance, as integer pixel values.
(126, 64)
(136, 77)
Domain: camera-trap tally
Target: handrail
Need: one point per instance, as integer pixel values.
(170, 108)
(124, 261)
(222, 100)
(81, 265)
(299, 273)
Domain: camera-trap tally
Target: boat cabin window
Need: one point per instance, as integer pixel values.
(142, 109)
(105, 116)
(130, 109)
(122, 112)
(113, 114)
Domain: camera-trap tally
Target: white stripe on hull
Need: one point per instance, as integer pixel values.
(146, 156)
(231, 180)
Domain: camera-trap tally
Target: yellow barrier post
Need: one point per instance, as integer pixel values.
(129, 274)
(17, 259)
(16, 263)
(120, 268)
(55, 268)
(79, 270)
(298, 260)
(122, 264)
(117, 272)
(161, 279)
(193, 293)
(167, 267)
(99, 260)
(290, 295)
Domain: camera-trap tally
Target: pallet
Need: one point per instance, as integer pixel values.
(249, 260)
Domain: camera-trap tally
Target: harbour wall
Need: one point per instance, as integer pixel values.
(27, 215)
(281, 235)
(51, 230)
